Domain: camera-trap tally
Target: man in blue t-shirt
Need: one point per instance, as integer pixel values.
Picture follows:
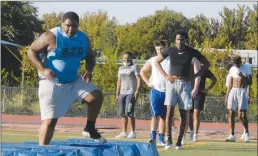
(57, 54)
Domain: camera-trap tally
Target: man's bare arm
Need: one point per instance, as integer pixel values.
(38, 46)
(157, 61)
(145, 69)
(90, 59)
(228, 89)
(213, 82)
(206, 65)
(197, 68)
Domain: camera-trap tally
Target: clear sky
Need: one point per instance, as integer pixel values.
(128, 12)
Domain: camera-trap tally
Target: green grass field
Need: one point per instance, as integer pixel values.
(201, 148)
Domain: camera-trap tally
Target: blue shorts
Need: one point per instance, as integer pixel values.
(157, 100)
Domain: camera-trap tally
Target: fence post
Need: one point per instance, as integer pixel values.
(3, 104)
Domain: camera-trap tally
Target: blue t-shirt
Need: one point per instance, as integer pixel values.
(65, 59)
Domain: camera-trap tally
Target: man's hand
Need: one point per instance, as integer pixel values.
(194, 93)
(48, 73)
(135, 95)
(249, 101)
(170, 78)
(87, 76)
(204, 91)
(241, 75)
(226, 102)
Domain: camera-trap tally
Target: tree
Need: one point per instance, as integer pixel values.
(52, 20)
(252, 28)
(99, 28)
(19, 22)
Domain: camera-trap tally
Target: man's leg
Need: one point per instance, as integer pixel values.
(244, 120)
(94, 101)
(231, 121)
(130, 103)
(46, 131)
(124, 119)
(191, 120)
(154, 99)
(196, 124)
(183, 115)
(169, 116)
(124, 123)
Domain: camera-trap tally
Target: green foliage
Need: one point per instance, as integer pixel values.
(52, 20)
(30, 72)
(19, 22)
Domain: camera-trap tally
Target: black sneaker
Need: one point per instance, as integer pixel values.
(168, 142)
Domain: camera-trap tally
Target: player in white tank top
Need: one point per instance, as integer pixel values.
(157, 83)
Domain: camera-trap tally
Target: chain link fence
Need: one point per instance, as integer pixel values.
(24, 101)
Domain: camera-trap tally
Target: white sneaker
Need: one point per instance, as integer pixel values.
(100, 138)
(179, 147)
(86, 134)
(122, 135)
(174, 131)
(131, 135)
(247, 137)
(242, 136)
(195, 137)
(231, 138)
(191, 135)
(183, 142)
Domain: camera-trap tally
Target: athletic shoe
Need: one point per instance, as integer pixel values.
(179, 147)
(183, 142)
(161, 141)
(195, 137)
(122, 135)
(169, 143)
(153, 137)
(242, 136)
(95, 135)
(191, 135)
(247, 137)
(174, 131)
(131, 135)
(230, 138)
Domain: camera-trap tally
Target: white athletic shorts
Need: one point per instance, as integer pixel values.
(56, 98)
(237, 98)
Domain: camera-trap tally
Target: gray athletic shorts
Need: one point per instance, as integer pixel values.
(237, 98)
(126, 104)
(56, 98)
(179, 92)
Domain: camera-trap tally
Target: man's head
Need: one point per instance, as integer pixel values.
(70, 23)
(159, 46)
(127, 58)
(237, 61)
(181, 38)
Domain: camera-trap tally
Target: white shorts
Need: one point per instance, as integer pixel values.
(237, 98)
(56, 98)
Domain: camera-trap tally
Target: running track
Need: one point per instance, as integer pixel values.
(112, 123)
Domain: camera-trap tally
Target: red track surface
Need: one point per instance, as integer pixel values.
(114, 122)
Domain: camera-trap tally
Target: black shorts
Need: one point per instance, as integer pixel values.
(126, 104)
(198, 102)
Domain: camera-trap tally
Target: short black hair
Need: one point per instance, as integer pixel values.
(159, 43)
(129, 53)
(182, 33)
(237, 60)
(70, 15)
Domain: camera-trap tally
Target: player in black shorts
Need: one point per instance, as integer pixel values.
(198, 104)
